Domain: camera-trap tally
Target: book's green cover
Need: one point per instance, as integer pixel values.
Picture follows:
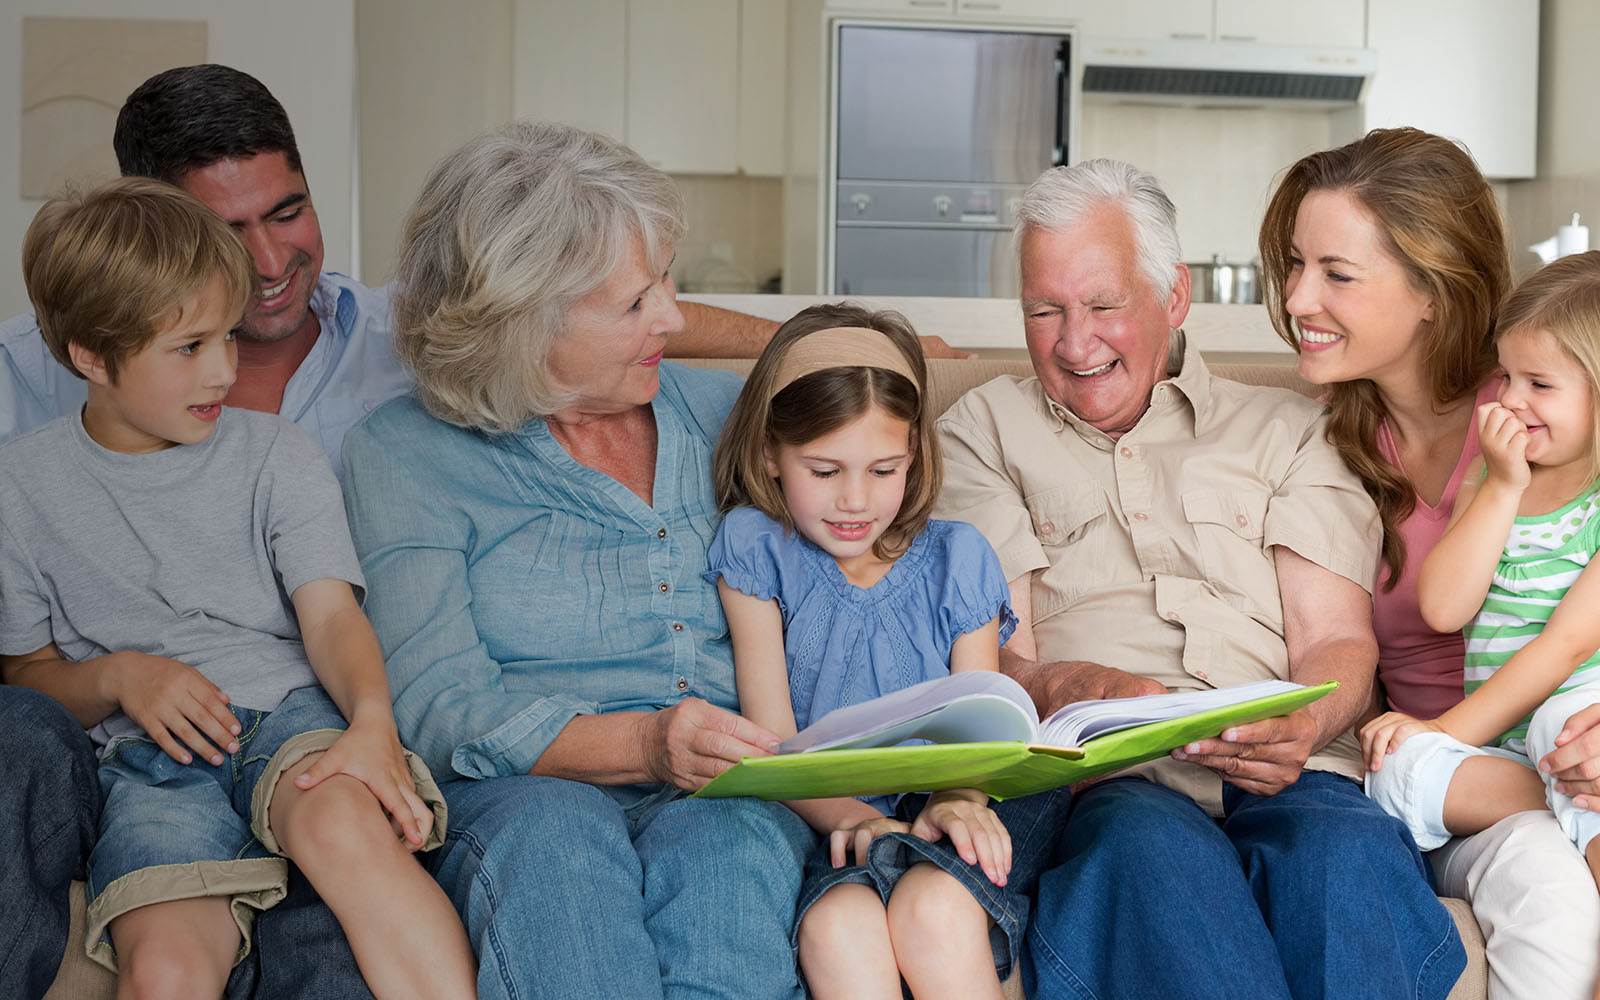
(1002, 770)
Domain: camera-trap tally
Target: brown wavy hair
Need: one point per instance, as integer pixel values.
(1437, 217)
(818, 404)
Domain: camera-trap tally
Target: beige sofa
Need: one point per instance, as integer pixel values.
(80, 979)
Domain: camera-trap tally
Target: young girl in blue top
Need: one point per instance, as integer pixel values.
(839, 588)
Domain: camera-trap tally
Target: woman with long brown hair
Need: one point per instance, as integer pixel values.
(1385, 261)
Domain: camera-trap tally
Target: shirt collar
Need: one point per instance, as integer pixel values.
(1187, 378)
(334, 304)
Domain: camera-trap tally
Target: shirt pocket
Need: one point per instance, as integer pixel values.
(1229, 529)
(1070, 523)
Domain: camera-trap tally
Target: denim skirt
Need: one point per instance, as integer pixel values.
(1033, 821)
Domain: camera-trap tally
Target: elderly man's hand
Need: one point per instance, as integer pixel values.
(1262, 758)
(1575, 762)
(1066, 681)
(694, 741)
(935, 347)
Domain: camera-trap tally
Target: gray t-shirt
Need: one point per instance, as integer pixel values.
(189, 553)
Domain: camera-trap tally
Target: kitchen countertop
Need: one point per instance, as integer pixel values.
(994, 326)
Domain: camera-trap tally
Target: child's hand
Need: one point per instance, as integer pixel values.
(975, 831)
(371, 754)
(860, 835)
(176, 705)
(1504, 440)
(1385, 734)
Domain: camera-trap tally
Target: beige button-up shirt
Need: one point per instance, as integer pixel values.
(1152, 552)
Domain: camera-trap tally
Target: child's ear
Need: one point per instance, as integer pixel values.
(89, 364)
(771, 460)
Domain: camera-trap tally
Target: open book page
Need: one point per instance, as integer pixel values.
(1081, 721)
(969, 707)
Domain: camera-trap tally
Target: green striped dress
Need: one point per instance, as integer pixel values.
(1542, 559)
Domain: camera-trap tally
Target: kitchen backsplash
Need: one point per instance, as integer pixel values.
(735, 238)
(1219, 164)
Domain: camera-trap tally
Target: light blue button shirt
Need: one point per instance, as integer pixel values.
(351, 368)
(514, 588)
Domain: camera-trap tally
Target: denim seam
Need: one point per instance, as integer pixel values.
(1038, 945)
(1435, 956)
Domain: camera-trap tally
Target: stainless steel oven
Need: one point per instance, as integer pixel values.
(937, 131)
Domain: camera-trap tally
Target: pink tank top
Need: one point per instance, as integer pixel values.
(1421, 668)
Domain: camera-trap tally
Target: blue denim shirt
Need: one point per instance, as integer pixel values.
(514, 589)
(350, 370)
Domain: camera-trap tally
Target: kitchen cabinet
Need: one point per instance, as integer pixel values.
(695, 86)
(1052, 11)
(1467, 69)
(1322, 23)
(683, 84)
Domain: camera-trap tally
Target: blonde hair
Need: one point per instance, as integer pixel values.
(1563, 300)
(1437, 217)
(509, 233)
(820, 403)
(109, 269)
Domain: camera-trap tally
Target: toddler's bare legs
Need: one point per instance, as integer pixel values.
(182, 948)
(941, 937)
(1485, 790)
(844, 946)
(406, 936)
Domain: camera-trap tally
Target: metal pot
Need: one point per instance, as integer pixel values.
(1220, 281)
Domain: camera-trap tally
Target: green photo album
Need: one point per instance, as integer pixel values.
(982, 732)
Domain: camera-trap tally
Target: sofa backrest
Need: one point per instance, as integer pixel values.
(949, 378)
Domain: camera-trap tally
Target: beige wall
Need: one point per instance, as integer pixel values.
(1569, 141)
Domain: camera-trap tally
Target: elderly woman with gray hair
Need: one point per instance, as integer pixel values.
(533, 524)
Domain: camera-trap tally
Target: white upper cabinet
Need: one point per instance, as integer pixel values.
(1293, 22)
(896, 6)
(1271, 22)
(1467, 69)
(683, 84)
(695, 86)
(1176, 19)
(570, 63)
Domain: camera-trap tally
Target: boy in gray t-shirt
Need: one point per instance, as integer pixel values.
(181, 577)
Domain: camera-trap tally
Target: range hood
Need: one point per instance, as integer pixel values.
(1223, 72)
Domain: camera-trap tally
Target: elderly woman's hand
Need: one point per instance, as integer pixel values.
(694, 741)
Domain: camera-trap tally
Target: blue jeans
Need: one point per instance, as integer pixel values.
(1311, 893)
(49, 811)
(566, 894)
(49, 807)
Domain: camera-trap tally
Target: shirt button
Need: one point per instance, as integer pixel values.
(683, 685)
(1141, 516)
(1127, 452)
(663, 587)
(1047, 528)
(661, 532)
(1202, 675)
(1173, 617)
(1242, 520)
(677, 626)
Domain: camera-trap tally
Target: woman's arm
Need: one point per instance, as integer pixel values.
(1536, 670)
(1455, 576)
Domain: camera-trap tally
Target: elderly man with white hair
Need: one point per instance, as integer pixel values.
(1164, 529)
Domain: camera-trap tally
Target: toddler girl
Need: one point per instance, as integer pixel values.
(1511, 568)
(838, 588)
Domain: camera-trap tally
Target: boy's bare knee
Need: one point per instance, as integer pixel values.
(337, 817)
